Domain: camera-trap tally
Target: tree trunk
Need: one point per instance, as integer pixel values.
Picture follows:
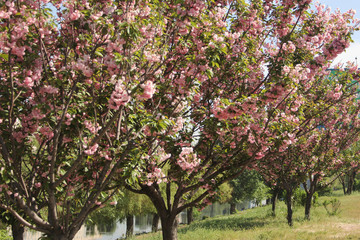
(232, 208)
(129, 226)
(58, 235)
(274, 200)
(353, 183)
(308, 205)
(155, 222)
(342, 180)
(169, 226)
(273, 207)
(350, 183)
(212, 210)
(190, 216)
(289, 208)
(17, 230)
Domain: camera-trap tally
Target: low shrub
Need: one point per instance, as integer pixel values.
(335, 206)
(300, 197)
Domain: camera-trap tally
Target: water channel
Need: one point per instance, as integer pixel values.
(142, 224)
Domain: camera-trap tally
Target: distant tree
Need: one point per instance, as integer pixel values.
(222, 195)
(315, 154)
(349, 168)
(125, 205)
(245, 187)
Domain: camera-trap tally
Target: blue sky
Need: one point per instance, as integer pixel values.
(344, 5)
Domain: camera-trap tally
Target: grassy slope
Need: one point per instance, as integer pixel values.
(258, 223)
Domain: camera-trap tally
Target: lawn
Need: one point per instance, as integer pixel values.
(258, 223)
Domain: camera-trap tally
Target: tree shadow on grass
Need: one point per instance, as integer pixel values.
(230, 223)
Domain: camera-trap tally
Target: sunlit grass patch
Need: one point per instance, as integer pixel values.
(258, 223)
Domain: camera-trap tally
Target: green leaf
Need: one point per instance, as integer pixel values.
(4, 56)
(99, 53)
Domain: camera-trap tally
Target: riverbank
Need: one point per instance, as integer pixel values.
(258, 223)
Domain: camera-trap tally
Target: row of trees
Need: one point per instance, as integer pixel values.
(248, 186)
(164, 98)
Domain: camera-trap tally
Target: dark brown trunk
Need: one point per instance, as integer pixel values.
(308, 202)
(232, 208)
(350, 184)
(273, 201)
(289, 208)
(353, 182)
(190, 216)
(155, 223)
(59, 235)
(342, 180)
(129, 226)
(169, 227)
(17, 231)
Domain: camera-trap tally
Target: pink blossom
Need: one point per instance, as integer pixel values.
(75, 15)
(149, 90)
(36, 114)
(46, 131)
(119, 97)
(92, 128)
(183, 31)
(178, 124)
(19, 136)
(68, 119)
(49, 90)
(91, 150)
(212, 45)
(96, 16)
(188, 159)
(259, 155)
(156, 175)
(28, 82)
(286, 69)
(4, 14)
(18, 51)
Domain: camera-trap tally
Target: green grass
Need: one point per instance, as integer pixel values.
(258, 223)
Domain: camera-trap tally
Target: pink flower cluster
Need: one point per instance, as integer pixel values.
(91, 150)
(68, 118)
(83, 66)
(49, 90)
(188, 160)
(46, 131)
(149, 90)
(36, 114)
(92, 128)
(179, 124)
(119, 97)
(75, 15)
(155, 176)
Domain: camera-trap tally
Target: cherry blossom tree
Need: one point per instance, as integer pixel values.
(349, 167)
(315, 151)
(150, 95)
